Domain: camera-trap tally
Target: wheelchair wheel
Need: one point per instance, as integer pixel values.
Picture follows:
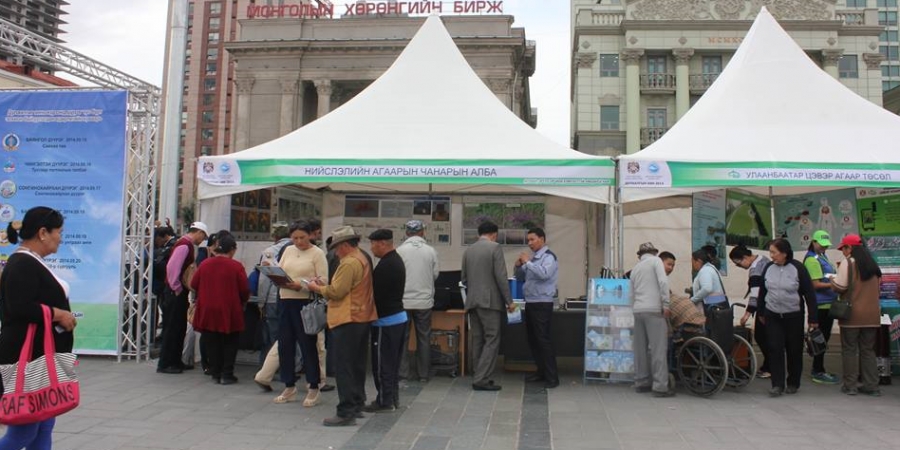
(741, 363)
(702, 366)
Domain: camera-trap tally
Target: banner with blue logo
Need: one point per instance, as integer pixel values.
(66, 150)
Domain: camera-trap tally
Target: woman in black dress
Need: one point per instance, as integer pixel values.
(27, 283)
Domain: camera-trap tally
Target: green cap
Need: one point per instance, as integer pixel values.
(822, 237)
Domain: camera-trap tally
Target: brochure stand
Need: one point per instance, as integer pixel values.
(609, 331)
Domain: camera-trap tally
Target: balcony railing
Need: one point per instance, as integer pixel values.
(652, 134)
(607, 18)
(700, 83)
(658, 82)
(857, 17)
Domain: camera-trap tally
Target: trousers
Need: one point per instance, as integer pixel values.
(858, 357)
(485, 325)
(826, 322)
(291, 333)
(175, 308)
(350, 341)
(650, 351)
(537, 327)
(785, 335)
(34, 436)
(387, 346)
(221, 351)
(420, 319)
(762, 340)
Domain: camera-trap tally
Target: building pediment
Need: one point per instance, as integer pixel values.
(729, 9)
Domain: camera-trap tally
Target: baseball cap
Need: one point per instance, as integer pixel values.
(200, 226)
(647, 247)
(822, 237)
(415, 226)
(850, 240)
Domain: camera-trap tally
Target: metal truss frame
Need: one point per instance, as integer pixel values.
(136, 311)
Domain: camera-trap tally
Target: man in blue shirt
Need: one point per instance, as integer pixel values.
(539, 271)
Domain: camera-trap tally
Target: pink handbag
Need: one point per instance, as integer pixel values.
(41, 389)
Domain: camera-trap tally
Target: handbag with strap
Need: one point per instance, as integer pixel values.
(314, 316)
(840, 307)
(41, 389)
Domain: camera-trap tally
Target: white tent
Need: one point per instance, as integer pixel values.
(428, 124)
(772, 118)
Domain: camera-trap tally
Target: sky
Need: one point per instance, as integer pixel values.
(130, 36)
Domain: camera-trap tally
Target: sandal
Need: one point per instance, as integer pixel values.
(312, 398)
(289, 395)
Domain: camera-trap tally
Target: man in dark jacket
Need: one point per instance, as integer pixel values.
(388, 282)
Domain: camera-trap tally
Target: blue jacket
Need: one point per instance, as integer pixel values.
(540, 276)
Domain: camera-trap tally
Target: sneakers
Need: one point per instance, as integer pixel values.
(312, 398)
(663, 394)
(763, 374)
(338, 421)
(791, 390)
(825, 378)
(775, 391)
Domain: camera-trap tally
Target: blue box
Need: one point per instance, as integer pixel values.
(515, 288)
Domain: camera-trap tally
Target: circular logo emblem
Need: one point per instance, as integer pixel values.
(653, 168)
(7, 188)
(11, 142)
(633, 167)
(7, 213)
(9, 166)
(225, 168)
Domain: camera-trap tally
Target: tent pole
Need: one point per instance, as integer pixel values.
(772, 212)
(620, 230)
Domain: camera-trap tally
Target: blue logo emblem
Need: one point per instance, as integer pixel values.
(225, 168)
(734, 174)
(653, 168)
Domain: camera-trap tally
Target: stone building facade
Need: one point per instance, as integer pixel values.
(639, 65)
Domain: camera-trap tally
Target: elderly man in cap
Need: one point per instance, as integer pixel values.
(175, 299)
(388, 281)
(422, 269)
(351, 311)
(650, 302)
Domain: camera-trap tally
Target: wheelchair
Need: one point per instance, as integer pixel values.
(703, 366)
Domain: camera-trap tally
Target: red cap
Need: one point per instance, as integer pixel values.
(850, 240)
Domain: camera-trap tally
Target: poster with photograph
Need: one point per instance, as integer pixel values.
(797, 217)
(708, 224)
(367, 213)
(748, 219)
(610, 291)
(878, 211)
(513, 216)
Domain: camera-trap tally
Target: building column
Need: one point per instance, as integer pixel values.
(830, 58)
(500, 88)
(288, 100)
(682, 80)
(873, 77)
(632, 58)
(242, 125)
(323, 89)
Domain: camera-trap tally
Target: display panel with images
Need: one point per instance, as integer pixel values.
(367, 213)
(513, 216)
(799, 216)
(254, 212)
(609, 338)
(748, 219)
(708, 224)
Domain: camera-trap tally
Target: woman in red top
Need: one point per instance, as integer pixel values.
(222, 290)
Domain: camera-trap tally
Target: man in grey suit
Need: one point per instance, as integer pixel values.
(487, 296)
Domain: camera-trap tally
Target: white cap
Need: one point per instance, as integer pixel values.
(200, 226)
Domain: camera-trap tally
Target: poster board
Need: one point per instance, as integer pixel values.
(799, 216)
(748, 219)
(514, 215)
(708, 224)
(879, 211)
(609, 338)
(367, 213)
(66, 150)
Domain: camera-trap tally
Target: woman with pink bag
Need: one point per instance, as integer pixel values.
(25, 285)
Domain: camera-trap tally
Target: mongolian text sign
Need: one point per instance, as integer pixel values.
(327, 10)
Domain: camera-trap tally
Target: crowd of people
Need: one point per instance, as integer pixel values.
(787, 299)
(369, 306)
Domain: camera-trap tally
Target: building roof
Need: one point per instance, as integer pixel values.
(39, 77)
(429, 112)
